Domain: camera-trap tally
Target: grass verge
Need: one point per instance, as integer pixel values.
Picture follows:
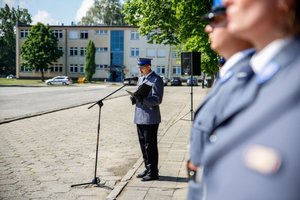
(13, 81)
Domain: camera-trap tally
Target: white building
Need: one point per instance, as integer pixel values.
(117, 50)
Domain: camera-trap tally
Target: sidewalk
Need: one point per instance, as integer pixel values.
(173, 154)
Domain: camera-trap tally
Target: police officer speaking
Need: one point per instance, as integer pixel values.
(147, 118)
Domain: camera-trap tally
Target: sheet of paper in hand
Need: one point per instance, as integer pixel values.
(143, 90)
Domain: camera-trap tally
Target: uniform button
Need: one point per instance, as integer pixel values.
(213, 138)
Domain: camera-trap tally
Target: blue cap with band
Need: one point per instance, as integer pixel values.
(143, 61)
(217, 9)
(217, 3)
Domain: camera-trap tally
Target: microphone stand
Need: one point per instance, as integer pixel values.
(96, 180)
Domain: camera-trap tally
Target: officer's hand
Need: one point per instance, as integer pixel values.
(191, 166)
(133, 100)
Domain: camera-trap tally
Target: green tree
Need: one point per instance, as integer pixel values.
(174, 22)
(90, 65)
(40, 49)
(9, 17)
(107, 12)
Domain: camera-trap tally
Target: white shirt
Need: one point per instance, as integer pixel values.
(233, 60)
(262, 58)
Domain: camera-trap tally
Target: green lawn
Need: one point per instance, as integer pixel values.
(13, 81)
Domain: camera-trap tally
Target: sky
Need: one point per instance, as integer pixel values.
(52, 12)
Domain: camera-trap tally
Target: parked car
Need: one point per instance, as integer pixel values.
(131, 81)
(192, 81)
(165, 80)
(176, 81)
(10, 76)
(59, 80)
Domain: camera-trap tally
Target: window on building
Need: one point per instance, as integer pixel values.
(101, 32)
(24, 69)
(24, 33)
(73, 68)
(134, 52)
(150, 52)
(101, 49)
(161, 53)
(60, 68)
(134, 35)
(58, 33)
(81, 68)
(73, 51)
(84, 34)
(117, 48)
(60, 49)
(99, 66)
(176, 70)
(73, 34)
(82, 51)
(56, 68)
(161, 70)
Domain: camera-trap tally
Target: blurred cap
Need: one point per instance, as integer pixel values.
(143, 61)
(221, 61)
(217, 9)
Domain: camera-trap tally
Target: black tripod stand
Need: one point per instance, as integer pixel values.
(192, 98)
(192, 101)
(96, 180)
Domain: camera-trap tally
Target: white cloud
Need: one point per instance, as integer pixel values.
(84, 7)
(43, 17)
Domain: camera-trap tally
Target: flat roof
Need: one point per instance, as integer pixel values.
(82, 26)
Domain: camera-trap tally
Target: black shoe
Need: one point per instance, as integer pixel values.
(144, 173)
(150, 177)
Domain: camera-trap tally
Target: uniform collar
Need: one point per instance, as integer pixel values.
(235, 58)
(265, 56)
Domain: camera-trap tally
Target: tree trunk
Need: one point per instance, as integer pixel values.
(42, 73)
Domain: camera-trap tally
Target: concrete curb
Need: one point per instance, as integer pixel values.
(121, 185)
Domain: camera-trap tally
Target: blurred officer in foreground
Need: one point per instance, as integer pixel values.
(255, 154)
(147, 118)
(233, 76)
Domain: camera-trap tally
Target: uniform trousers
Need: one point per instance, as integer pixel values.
(147, 134)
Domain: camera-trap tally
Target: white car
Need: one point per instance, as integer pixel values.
(59, 80)
(11, 76)
(165, 80)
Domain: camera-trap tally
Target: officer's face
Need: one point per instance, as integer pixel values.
(146, 69)
(218, 34)
(255, 20)
(221, 40)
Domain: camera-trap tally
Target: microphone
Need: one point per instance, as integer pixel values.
(131, 81)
